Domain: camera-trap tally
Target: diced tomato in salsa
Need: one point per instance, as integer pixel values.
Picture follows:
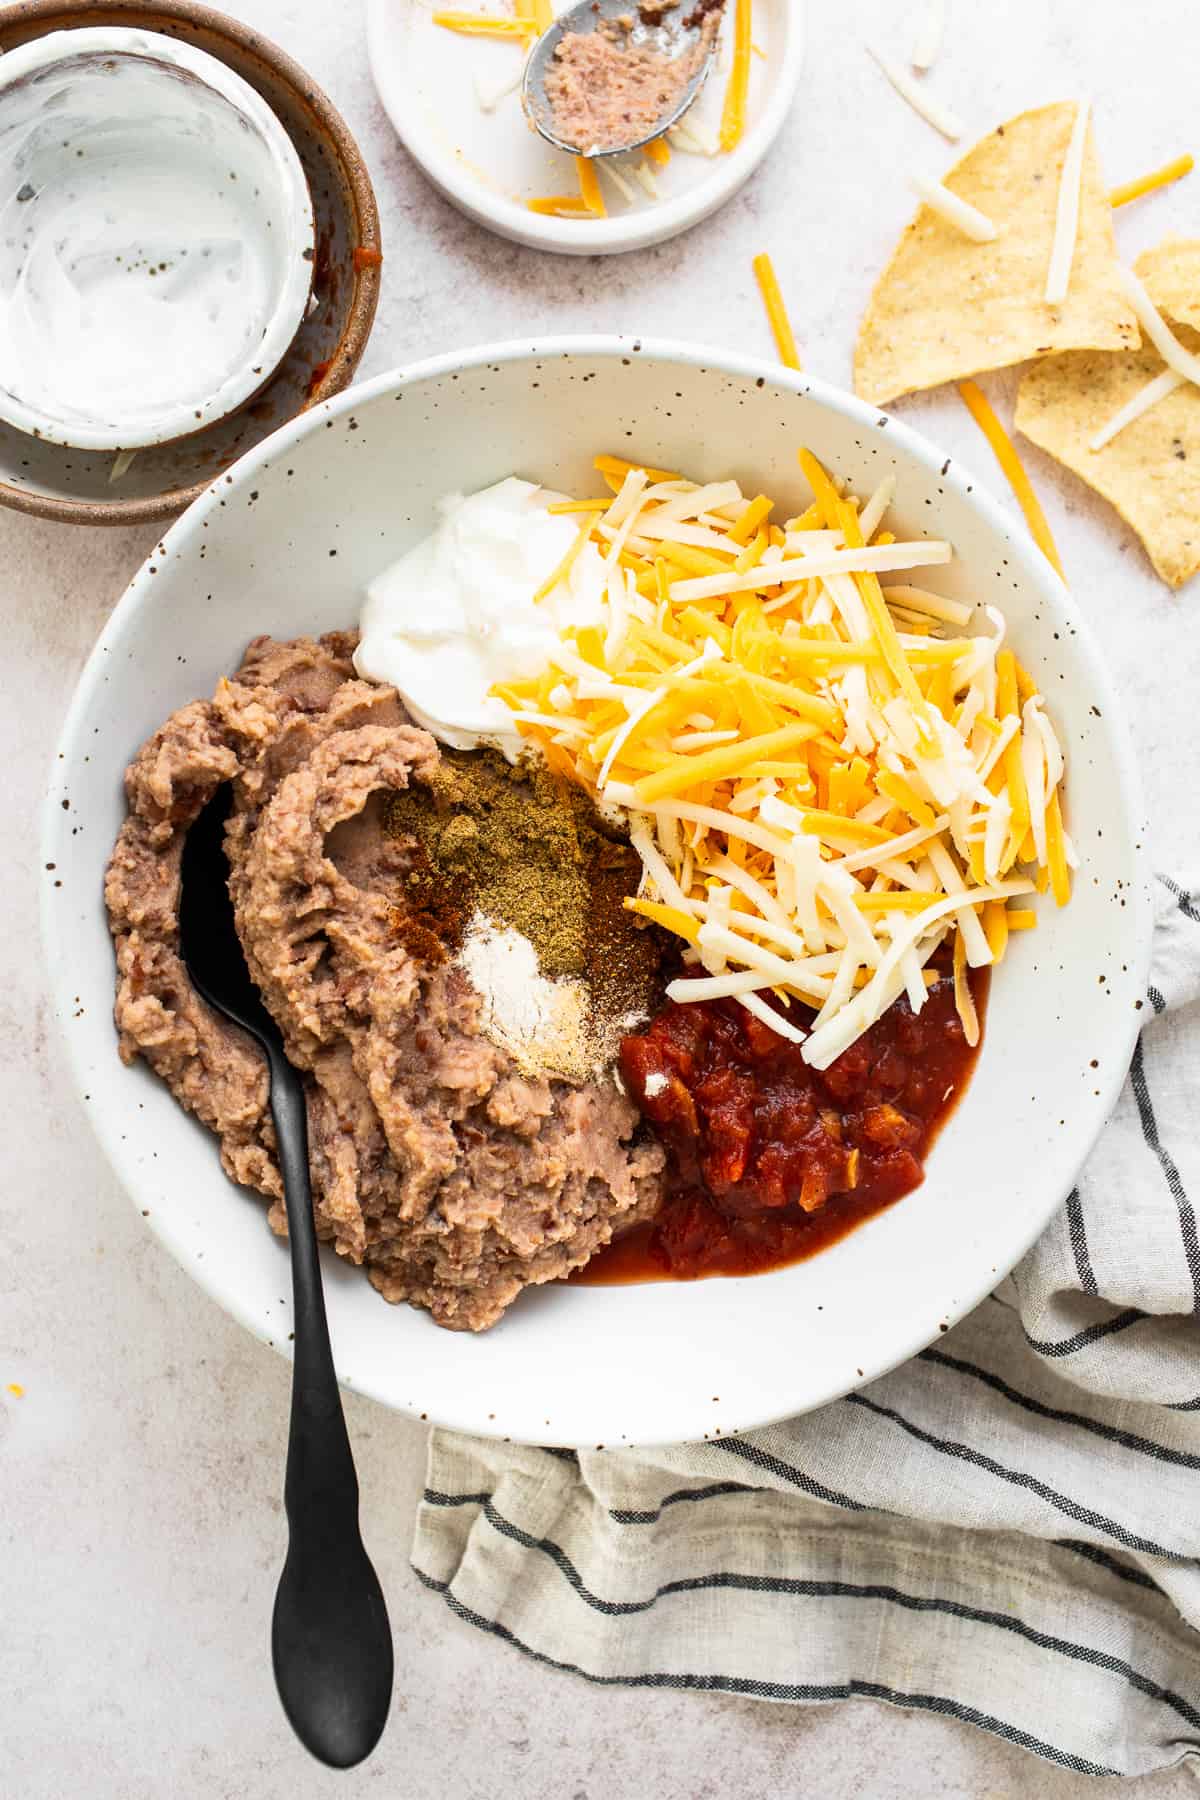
(769, 1159)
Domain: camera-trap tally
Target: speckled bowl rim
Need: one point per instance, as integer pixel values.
(151, 508)
(923, 1323)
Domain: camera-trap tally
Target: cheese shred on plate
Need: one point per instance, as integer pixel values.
(828, 780)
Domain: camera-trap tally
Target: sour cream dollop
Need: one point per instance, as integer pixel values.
(457, 614)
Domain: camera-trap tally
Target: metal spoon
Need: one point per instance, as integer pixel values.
(672, 36)
(331, 1643)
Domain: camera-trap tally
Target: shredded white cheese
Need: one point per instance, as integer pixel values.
(931, 110)
(1182, 361)
(1066, 222)
(930, 31)
(1142, 401)
(957, 212)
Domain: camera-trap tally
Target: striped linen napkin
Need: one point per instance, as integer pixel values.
(1006, 1530)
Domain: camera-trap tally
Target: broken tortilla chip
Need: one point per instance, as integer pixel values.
(1150, 471)
(1170, 273)
(946, 308)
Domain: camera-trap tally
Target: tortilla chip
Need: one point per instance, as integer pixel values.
(945, 308)
(1150, 472)
(1170, 273)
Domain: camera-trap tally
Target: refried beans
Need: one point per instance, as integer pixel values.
(452, 1178)
(612, 87)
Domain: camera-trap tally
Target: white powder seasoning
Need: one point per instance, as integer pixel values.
(547, 1027)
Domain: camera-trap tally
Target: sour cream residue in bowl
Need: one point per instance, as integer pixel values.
(476, 603)
(156, 238)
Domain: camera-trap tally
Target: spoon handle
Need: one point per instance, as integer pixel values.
(330, 1637)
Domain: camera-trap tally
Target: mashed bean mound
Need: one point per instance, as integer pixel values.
(453, 1179)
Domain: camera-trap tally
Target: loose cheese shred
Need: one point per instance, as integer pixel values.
(824, 788)
(1013, 471)
(486, 24)
(781, 325)
(733, 113)
(1182, 361)
(568, 206)
(931, 110)
(930, 31)
(1146, 184)
(960, 213)
(1066, 221)
(658, 150)
(543, 15)
(589, 186)
(963, 998)
(1142, 401)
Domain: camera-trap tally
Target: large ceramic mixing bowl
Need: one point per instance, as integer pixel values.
(284, 543)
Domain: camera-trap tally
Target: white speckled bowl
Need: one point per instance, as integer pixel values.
(191, 89)
(284, 543)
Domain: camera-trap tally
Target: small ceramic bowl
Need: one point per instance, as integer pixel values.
(455, 104)
(161, 244)
(92, 487)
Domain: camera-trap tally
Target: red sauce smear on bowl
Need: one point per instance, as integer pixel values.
(769, 1160)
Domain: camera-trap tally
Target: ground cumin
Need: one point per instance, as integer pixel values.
(529, 850)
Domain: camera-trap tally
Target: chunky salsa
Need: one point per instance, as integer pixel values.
(768, 1159)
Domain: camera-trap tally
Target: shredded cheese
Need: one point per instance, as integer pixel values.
(567, 206)
(1146, 184)
(1142, 401)
(930, 31)
(781, 325)
(1013, 470)
(733, 113)
(487, 24)
(589, 186)
(1182, 361)
(825, 790)
(1066, 221)
(931, 110)
(957, 212)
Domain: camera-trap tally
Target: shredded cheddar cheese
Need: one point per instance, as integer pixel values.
(733, 113)
(781, 325)
(822, 797)
(1146, 184)
(589, 186)
(1013, 470)
(571, 206)
(487, 24)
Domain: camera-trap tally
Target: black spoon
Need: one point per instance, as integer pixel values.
(331, 1643)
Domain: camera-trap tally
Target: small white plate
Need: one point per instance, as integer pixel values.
(490, 163)
(285, 543)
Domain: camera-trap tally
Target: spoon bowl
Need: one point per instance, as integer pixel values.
(678, 31)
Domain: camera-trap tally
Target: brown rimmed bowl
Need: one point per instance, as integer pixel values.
(77, 486)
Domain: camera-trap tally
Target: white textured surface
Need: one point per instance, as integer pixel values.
(141, 1520)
